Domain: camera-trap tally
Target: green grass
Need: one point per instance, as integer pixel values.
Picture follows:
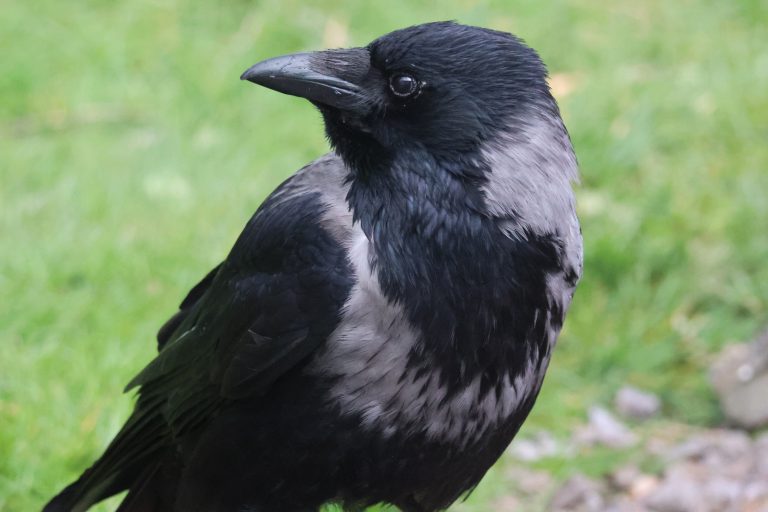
(131, 156)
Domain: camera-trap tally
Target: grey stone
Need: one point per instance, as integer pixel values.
(636, 404)
(580, 494)
(644, 486)
(623, 478)
(506, 504)
(756, 495)
(740, 378)
(724, 494)
(536, 447)
(535, 482)
(724, 453)
(678, 492)
(529, 481)
(623, 504)
(603, 428)
(760, 450)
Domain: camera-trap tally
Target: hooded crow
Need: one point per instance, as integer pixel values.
(381, 328)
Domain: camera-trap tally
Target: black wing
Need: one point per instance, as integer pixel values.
(268, 306)
(170, 326)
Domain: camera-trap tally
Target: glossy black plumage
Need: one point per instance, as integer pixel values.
(381, 327)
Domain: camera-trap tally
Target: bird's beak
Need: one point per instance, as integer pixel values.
(332, 78)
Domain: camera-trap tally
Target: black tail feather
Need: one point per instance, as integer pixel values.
(155, 490)
(63, 502)
(136, 451)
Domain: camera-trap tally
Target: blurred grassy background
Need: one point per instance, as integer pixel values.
(131, 156)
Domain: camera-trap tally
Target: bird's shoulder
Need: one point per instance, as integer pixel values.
(311, 202)
(292, 228)
(267, 306)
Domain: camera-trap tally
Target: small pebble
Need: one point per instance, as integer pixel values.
(623, 478)
(578, 493)
(643, 486)
(636, 404)
(537, 447)
(739, 376)
(678, 492)
(604, 429)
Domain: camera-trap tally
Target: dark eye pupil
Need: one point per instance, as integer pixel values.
(402, 85)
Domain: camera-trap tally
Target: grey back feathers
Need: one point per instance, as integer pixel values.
(529, 186)
(529, 190)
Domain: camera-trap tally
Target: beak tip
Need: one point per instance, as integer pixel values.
(245, 74)
(253, 73)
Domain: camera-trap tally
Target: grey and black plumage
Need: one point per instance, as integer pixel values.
(382, 326)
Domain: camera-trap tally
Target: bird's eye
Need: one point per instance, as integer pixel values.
(403, 85)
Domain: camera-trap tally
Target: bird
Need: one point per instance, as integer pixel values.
(382, 326)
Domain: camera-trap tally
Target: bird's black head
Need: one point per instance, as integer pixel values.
(440, 87)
